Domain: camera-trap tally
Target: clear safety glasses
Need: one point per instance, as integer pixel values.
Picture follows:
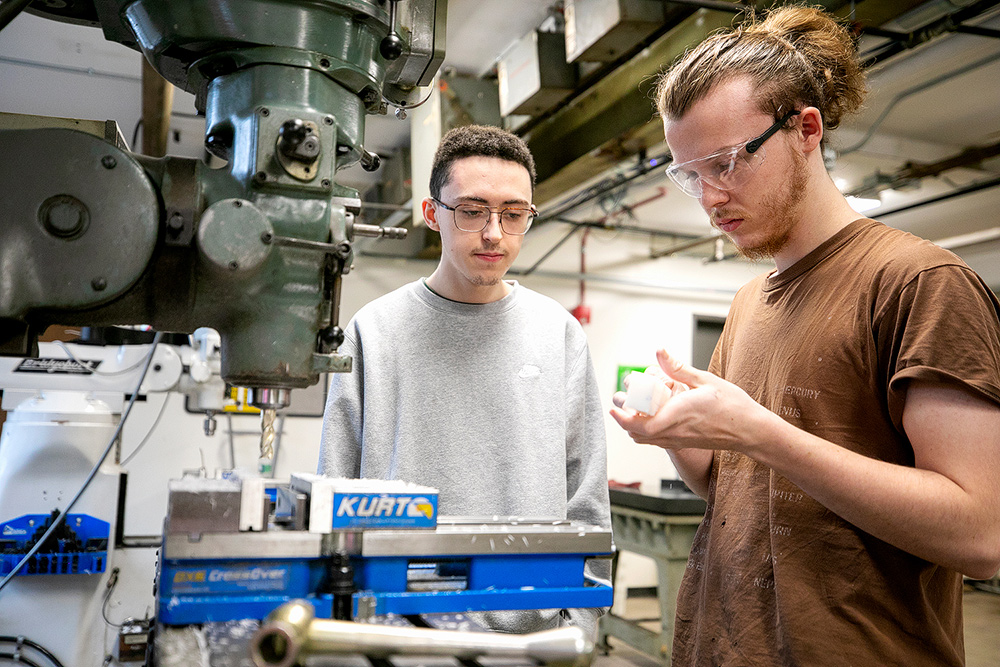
(726, 169)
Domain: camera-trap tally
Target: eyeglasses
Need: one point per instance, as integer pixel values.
(726, 169)
(514, 220)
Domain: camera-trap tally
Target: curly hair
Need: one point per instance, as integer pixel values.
(478, 141)
(797, 56)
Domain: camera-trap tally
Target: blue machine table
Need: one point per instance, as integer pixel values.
(662, 528)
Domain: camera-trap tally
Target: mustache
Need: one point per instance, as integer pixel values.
(724, 213)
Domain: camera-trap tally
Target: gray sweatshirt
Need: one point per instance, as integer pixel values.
(494, 404)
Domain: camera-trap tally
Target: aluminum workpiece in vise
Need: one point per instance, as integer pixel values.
(325, 551)
(95, 234)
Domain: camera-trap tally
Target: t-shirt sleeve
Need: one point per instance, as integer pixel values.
(942, 328)
(340, 443)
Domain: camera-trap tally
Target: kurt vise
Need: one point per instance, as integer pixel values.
(356, 549)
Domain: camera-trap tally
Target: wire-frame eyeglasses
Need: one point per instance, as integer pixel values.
(514, 220)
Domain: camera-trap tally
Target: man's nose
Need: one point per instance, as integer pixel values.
(492, 231)
(711, 196)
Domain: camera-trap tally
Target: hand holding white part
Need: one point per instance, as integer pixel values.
(700, 410)
(646, 393)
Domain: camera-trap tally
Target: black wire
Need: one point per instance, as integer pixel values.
(163, 407)
(61, 517)
(135, 134)
(603, 187)
(35, 645)
(9, 9)
(19, 658)
(122, 371)
(107, 596)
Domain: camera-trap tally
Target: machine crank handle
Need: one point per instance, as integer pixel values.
(340, 250)
(291, 634)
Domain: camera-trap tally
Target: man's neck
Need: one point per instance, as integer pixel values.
(445, 289)
(823, 213)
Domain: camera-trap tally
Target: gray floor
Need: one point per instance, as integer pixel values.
(982, 632)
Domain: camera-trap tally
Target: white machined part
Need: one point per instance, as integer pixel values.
(646, 393)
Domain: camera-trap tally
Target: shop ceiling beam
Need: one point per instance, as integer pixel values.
(615, 118)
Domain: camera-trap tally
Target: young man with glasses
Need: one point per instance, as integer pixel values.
(472, 384)
(847, 436)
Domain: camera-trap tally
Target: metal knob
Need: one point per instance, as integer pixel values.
(296, 141)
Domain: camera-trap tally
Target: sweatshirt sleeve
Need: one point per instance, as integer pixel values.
(586, 470)
(340, 443)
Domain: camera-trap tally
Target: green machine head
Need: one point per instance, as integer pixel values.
(98, 235)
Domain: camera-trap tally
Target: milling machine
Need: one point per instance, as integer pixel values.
(96, 235)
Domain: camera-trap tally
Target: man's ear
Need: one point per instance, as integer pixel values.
(430, 214)
(810, 122)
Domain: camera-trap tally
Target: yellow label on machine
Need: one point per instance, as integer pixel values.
(238, 402)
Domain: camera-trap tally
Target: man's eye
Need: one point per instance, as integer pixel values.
(725, 166)
(471, 213)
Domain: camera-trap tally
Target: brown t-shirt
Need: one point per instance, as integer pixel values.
(774, 578)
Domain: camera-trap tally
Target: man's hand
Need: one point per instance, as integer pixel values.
(703, 411)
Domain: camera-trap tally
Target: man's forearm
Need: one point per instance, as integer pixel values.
(923, 512)
(695, 468)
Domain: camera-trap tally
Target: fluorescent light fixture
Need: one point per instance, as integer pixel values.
(861, 205)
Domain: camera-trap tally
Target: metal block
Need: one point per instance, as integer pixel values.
(465, 538)
(272, 544)
(534, 75)
(602, 30)
(197, 506)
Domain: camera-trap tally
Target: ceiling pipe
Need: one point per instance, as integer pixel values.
(941, 78)
(683, 291)
(969, 189)
(645, 166)
(531, 269)
(732, 7)
(917, 171)
(977, 30)
(904, 41)
(968, 240)
(684, 245)
(588, 225)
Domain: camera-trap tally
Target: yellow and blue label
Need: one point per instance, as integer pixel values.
(384, 510)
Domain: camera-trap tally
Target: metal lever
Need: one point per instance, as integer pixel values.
(370, 161)
(391, 47)
(340, 250)
(376, 232)
(291, 634)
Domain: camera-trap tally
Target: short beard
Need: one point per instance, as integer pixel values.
(780, 209)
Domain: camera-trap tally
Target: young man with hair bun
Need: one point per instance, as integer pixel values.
(847, 434)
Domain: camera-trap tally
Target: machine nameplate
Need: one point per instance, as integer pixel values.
(237, 577)
(61, 366)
